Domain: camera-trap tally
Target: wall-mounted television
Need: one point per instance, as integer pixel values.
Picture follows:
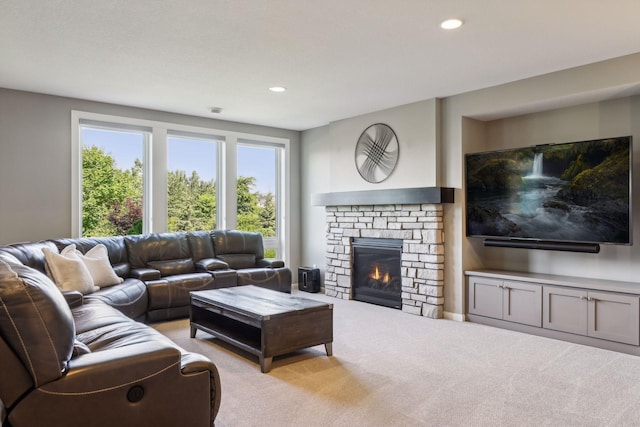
(567, 192)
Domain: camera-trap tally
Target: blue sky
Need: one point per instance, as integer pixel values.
(187, 155)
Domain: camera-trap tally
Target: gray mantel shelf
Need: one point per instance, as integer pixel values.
(395, 196)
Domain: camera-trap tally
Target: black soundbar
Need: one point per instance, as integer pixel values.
(592, 248)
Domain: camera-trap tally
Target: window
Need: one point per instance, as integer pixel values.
(191, 183)
(258, 191)
(112, 180)
(142, 176)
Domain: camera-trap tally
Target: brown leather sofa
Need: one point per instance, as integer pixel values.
(68, 363)
(160, 269)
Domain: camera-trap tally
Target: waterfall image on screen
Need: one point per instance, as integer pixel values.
(578, 192)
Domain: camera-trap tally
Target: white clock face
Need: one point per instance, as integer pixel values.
(377, 153)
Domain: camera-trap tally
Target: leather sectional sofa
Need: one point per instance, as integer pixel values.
(72, 359)
(160, 269)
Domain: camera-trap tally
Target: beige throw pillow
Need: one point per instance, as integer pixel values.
(6, 272)
(68, 271)
(97, 262)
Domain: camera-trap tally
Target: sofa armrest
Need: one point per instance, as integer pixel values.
(73, 298)
(211, 264)
(141, 383)
(269, 264)
(145, 274)
(115, 367)
(193, 363)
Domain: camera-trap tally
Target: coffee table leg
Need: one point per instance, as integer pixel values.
(265, 364)
(329, 347)
(193, 331)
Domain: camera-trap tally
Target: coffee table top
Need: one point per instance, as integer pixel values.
(257, 301)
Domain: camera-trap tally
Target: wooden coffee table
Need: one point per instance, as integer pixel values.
(262, 322)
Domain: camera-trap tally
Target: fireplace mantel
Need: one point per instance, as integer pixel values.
(418, 195)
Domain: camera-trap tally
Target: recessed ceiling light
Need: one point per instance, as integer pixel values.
(215, 110)
(277, 88)
(451, 24)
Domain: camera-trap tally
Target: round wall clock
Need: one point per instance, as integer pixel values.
(377, 153)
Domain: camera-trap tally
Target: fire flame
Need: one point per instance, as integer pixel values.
(377, 276)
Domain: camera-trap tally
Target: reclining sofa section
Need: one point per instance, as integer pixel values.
(69, 363)
(160, 269)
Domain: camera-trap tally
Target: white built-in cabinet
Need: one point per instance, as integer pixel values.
(601, 313)
(518, 302)
(605, 315)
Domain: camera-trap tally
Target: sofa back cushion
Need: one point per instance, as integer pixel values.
(36, 322)
(116, 250)
(15, 379)
(167, 252)
(237, 242)
(201, 245)
(30, 254)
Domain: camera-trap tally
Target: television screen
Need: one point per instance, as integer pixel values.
(577, 192)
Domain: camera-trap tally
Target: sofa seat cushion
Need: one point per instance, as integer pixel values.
(278, 279)
(129, 297)
(101, 327)
(36, 321)
(224, 278)
(211, 264)
(173, 291)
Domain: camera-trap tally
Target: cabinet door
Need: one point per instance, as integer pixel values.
(564, 310)
(485, 297)
(522, 303)
(614, 317)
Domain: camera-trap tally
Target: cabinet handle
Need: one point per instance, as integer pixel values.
(583, 297)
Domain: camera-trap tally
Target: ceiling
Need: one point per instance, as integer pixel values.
(337, 58)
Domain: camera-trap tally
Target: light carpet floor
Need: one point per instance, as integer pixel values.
(391, 368)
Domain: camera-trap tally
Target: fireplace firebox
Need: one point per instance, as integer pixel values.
(376, 273)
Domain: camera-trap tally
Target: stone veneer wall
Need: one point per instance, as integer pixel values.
(420, 227)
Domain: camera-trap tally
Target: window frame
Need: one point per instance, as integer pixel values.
(209, 138)
(147, 168)
(156, 173)
(275, 242)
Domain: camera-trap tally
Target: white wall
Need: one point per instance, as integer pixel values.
(35, 162)
(328, 164)
(315, 166)
(415, 126)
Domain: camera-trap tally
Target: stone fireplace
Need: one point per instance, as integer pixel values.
(412, 216)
